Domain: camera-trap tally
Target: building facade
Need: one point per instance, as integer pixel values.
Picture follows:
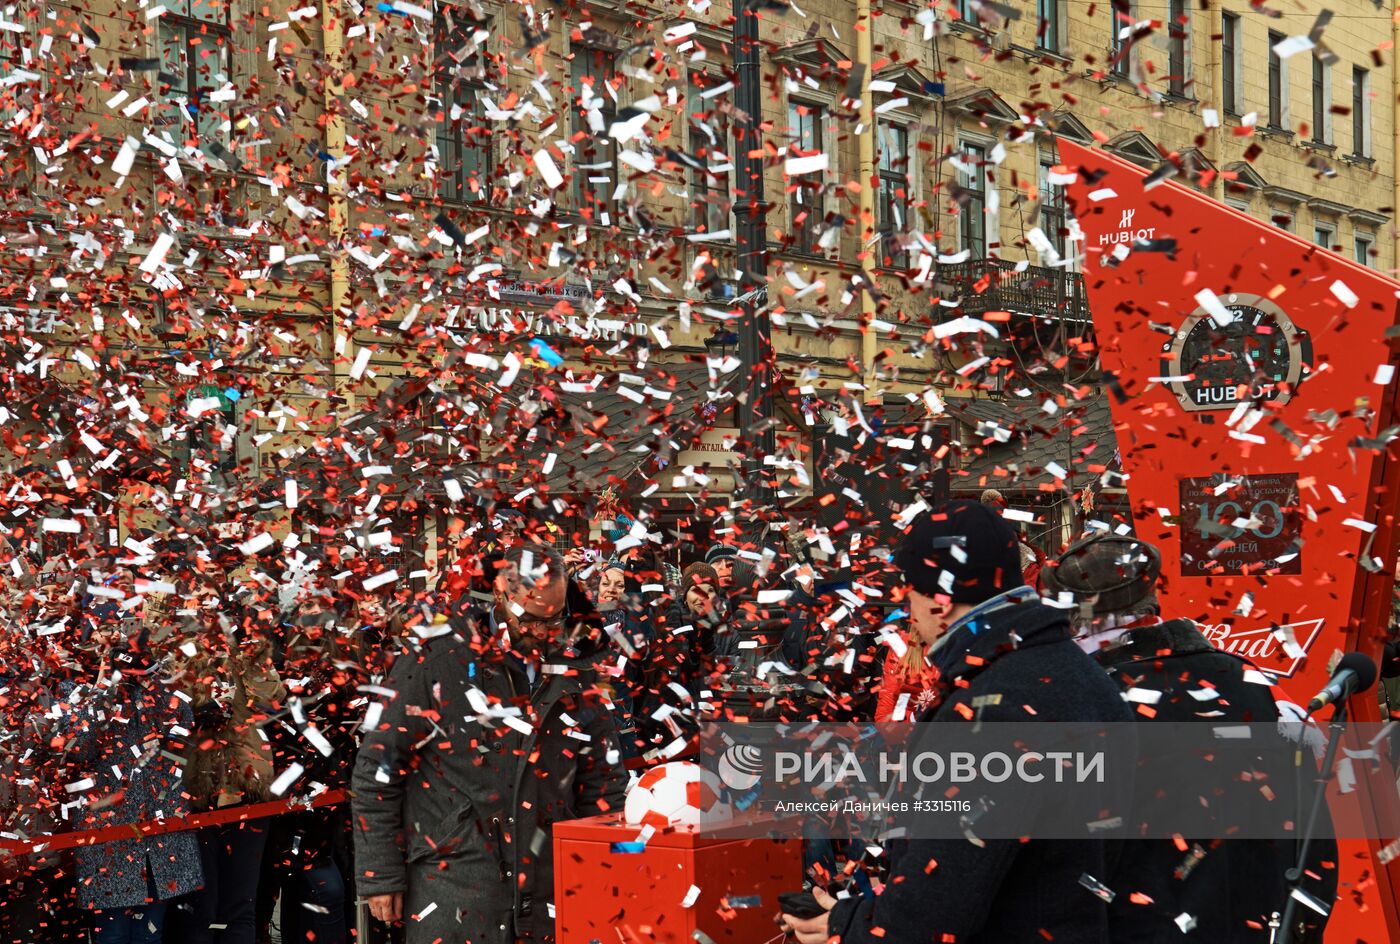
(230, 226)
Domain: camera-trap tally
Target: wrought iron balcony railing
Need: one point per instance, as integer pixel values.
(996, 285)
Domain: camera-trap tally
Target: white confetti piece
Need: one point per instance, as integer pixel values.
(1214, 307)
(158, 252)
(258, 542)
(373, 713)
(1142, 696)
(797, 166)
(318, 740)
(1344, 294)
(357, 369)
(126, 157)
(692, 895)
(286, 778)
(1291, 46)
(548, 170)
(379, 580)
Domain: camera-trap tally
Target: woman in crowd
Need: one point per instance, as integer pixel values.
(120, 724)
(308, 853)
(622, 660)
(702, 605)
(234, 687)
(907, 687)
(39, 895)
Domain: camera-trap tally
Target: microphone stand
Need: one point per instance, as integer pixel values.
(1294, 876)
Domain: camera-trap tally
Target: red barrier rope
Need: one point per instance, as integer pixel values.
(90, 837)
(229, 814)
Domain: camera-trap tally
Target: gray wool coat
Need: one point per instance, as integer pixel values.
(108, 723)
(455, 809)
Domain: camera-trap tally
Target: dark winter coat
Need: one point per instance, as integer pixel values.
(1223, 885)
(127, 726)
(1007, 890)
(455, 808)
(627, 641)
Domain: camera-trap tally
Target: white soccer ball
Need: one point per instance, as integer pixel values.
(680, 793)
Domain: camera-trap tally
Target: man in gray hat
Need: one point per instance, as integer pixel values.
(1226, 891)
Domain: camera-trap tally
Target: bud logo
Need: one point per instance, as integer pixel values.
(1125, 232)
(1278, 652)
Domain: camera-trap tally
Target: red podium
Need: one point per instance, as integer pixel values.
(610, 888)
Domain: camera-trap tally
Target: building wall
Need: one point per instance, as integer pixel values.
(286, 78)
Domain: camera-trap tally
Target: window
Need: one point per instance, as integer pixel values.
(194, 65)
(594, 75)
(1178, 35)
(894, 193)
(463, 138)
(1054, 217)
(1278, 88)
(1362, 248)
(1323, 235)
(1120, 50)
(1361, 111)
(1229, 54)
(807, 134)
(12, 47)
(1321, 102)
(972, 214)
(1282, 219)
(213, 442)
(710, 143)
(1048, 26)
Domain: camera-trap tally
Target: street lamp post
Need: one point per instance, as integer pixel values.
(754, 414)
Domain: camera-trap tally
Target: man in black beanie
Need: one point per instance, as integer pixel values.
(1211, 890)
(1001, 656)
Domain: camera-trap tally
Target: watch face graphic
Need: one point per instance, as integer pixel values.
(1258, 355)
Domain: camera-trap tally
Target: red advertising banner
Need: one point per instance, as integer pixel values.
(1253, 379)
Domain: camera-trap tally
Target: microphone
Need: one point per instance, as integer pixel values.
(1355, 673)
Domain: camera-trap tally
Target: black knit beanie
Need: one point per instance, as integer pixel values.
(963, 550)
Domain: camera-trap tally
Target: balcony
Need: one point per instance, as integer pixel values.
(1035, 291)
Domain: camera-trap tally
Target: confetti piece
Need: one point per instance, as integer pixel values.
(258, 542)
(1291, 46)
(1217, 311)
(379, 580)
(548, 171)
(156, 257)
(286, 778)
(797, 166)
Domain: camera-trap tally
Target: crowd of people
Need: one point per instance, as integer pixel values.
(527, 688)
